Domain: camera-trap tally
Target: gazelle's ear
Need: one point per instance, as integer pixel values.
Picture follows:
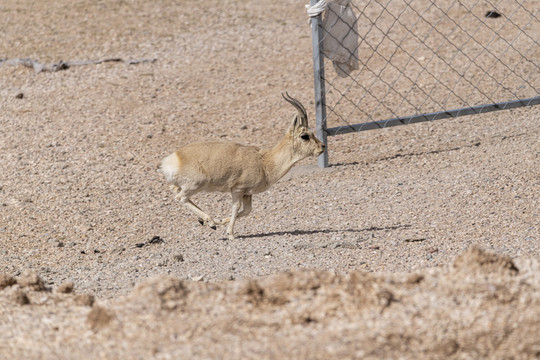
(295, 123)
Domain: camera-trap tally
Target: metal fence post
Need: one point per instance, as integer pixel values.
(318, 73)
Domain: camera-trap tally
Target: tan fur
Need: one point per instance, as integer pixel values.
(241, 170)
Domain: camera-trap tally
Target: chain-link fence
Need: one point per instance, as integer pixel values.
(385, 63)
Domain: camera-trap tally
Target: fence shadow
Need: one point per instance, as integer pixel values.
(407, 155)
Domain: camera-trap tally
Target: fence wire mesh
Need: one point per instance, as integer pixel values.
(424, 59)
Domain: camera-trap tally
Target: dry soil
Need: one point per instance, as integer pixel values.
(420, 241)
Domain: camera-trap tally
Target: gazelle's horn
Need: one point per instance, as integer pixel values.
(299, 107)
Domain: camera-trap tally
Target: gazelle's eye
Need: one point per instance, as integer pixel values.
(304, 137)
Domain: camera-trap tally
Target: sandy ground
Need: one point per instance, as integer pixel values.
(382, 255)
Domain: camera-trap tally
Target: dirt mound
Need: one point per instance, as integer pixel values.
(483, 306)
(29, 289)
(477, 260)
(98, 256)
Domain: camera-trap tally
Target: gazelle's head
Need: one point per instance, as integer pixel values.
(304, 142)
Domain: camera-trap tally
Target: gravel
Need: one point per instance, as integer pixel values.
(82, 202)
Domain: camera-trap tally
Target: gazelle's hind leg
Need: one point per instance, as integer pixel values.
(246, 209)
(183, 195)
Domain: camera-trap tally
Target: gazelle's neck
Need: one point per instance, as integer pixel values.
(279, 160)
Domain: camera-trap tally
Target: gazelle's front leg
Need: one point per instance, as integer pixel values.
(237, 201)
(246, 209)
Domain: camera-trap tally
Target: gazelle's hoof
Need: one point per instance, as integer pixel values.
(210, 223)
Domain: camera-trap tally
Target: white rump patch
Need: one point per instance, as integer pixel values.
(170, 166)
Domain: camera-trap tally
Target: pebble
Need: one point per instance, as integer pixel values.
(178, 257)
(156, 240)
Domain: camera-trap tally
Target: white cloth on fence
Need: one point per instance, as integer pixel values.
(316, 9)
(340, 42)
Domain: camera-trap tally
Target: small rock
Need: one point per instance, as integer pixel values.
(19, 96)
(156, 240)
(139, 245)
(493, 14)
(66, 288)
(178, 257)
